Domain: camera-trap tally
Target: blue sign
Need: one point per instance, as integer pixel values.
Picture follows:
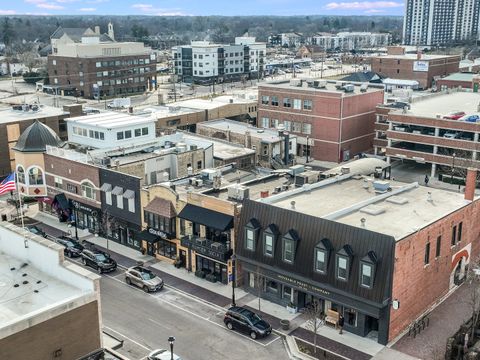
(230, 277)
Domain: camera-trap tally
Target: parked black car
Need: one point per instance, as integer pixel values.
(98, 260)
(72, 247)
(246, 321)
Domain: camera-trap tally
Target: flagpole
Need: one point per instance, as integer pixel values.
(25, 241)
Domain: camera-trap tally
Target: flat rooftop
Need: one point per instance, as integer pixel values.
(430, 106)
(329, 88)
(459, 77)
(220, 101)
(222, 149)
(266, 135)
(399, 212)
(160, 111)
(41, 292)
(8, 115)
(110, 120)
(425, 57)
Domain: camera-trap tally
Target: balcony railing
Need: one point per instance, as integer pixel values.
(213, 249)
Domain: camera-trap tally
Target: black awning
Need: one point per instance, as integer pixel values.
(207, 217)
(61, 201)
(147, 236)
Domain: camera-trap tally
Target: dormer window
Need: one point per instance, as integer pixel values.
(368, 266)
(290, 240)
(251, 233)
(322, 252)
(343, 263)
(270, 235)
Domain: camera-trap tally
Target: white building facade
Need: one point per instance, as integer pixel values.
(347, 41)
(440, 22)
(205, 63)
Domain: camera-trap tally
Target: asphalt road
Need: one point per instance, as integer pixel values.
(145, 321)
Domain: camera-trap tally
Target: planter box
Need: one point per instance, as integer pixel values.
(292, 310)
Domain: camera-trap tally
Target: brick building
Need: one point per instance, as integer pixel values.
(420, 67)
(452, 81)
(336, 121)
(15, 120)
(46, 296)
(427, 133)
(94, 65)
(381, 253)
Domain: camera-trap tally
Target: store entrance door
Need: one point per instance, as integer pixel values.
(301, 300)
(183, 258)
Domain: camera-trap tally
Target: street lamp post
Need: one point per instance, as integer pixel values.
(171, 340)
(75, 212)
(453, 167)
(234, 278)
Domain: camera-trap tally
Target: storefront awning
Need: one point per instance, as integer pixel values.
(129, 194)
(145, 235)
(117, 190)
(207, 217)
(106, 187)
(61, 201)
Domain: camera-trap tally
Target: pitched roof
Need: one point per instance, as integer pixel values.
(364, 76)
(73, 33)
(161, 207)
(36, 137)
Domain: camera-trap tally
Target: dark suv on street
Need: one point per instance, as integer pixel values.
(72, 247)
(246, 321)
(98, 260)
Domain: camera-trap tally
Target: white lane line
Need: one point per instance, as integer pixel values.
(188, 311)
(129, 339)
(271, 341)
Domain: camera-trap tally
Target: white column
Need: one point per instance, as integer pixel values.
(437, 131)
(434, 168)
(475, 139)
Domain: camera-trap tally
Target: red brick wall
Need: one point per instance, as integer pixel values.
(417, 286)
(402, 68)
(73, 171)
(453, 84)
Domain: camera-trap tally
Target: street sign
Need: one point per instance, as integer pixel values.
(230, 277)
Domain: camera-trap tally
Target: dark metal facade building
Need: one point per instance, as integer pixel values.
(121, 207)
(298, 283)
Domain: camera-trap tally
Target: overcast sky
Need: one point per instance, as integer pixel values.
(201, 7)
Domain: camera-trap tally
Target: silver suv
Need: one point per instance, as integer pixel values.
(143, 278)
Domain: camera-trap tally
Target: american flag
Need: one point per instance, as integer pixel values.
(8, 184)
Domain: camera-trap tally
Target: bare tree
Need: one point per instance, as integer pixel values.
(315, 316)
(473, 280)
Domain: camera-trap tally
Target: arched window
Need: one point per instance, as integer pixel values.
(21, 174)
(88, 190)
(35, 176)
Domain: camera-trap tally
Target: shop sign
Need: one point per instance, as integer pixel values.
(302, 285)
(157, 233)
(420, 66)
(84, 208)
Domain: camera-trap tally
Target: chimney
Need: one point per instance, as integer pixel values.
(470, 184)
(97, 30)
(419, 55)
(248, 140)
(362, 222)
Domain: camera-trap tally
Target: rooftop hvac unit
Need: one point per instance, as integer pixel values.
(364, 87)
(381, 186)
(320, 84)
(181, 147)
(238, 192)
(295, 82)
(339, 85)
(193, 147)
(106, 161)
(307, 177)
(349, 88)
(199, 182)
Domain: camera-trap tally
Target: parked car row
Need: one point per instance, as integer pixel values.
(461, 116)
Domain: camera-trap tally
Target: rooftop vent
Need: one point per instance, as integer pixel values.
(372, 210)
(397, 200)
(292, 204)
(429, 197)
(362, 222)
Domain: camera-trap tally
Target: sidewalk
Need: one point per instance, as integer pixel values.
(347, 345)
(445, 320)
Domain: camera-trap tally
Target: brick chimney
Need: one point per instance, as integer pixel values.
(470, 184)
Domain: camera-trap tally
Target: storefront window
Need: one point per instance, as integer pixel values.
(287, 292)
(271, 287)
(350, 316)
(167, 249)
